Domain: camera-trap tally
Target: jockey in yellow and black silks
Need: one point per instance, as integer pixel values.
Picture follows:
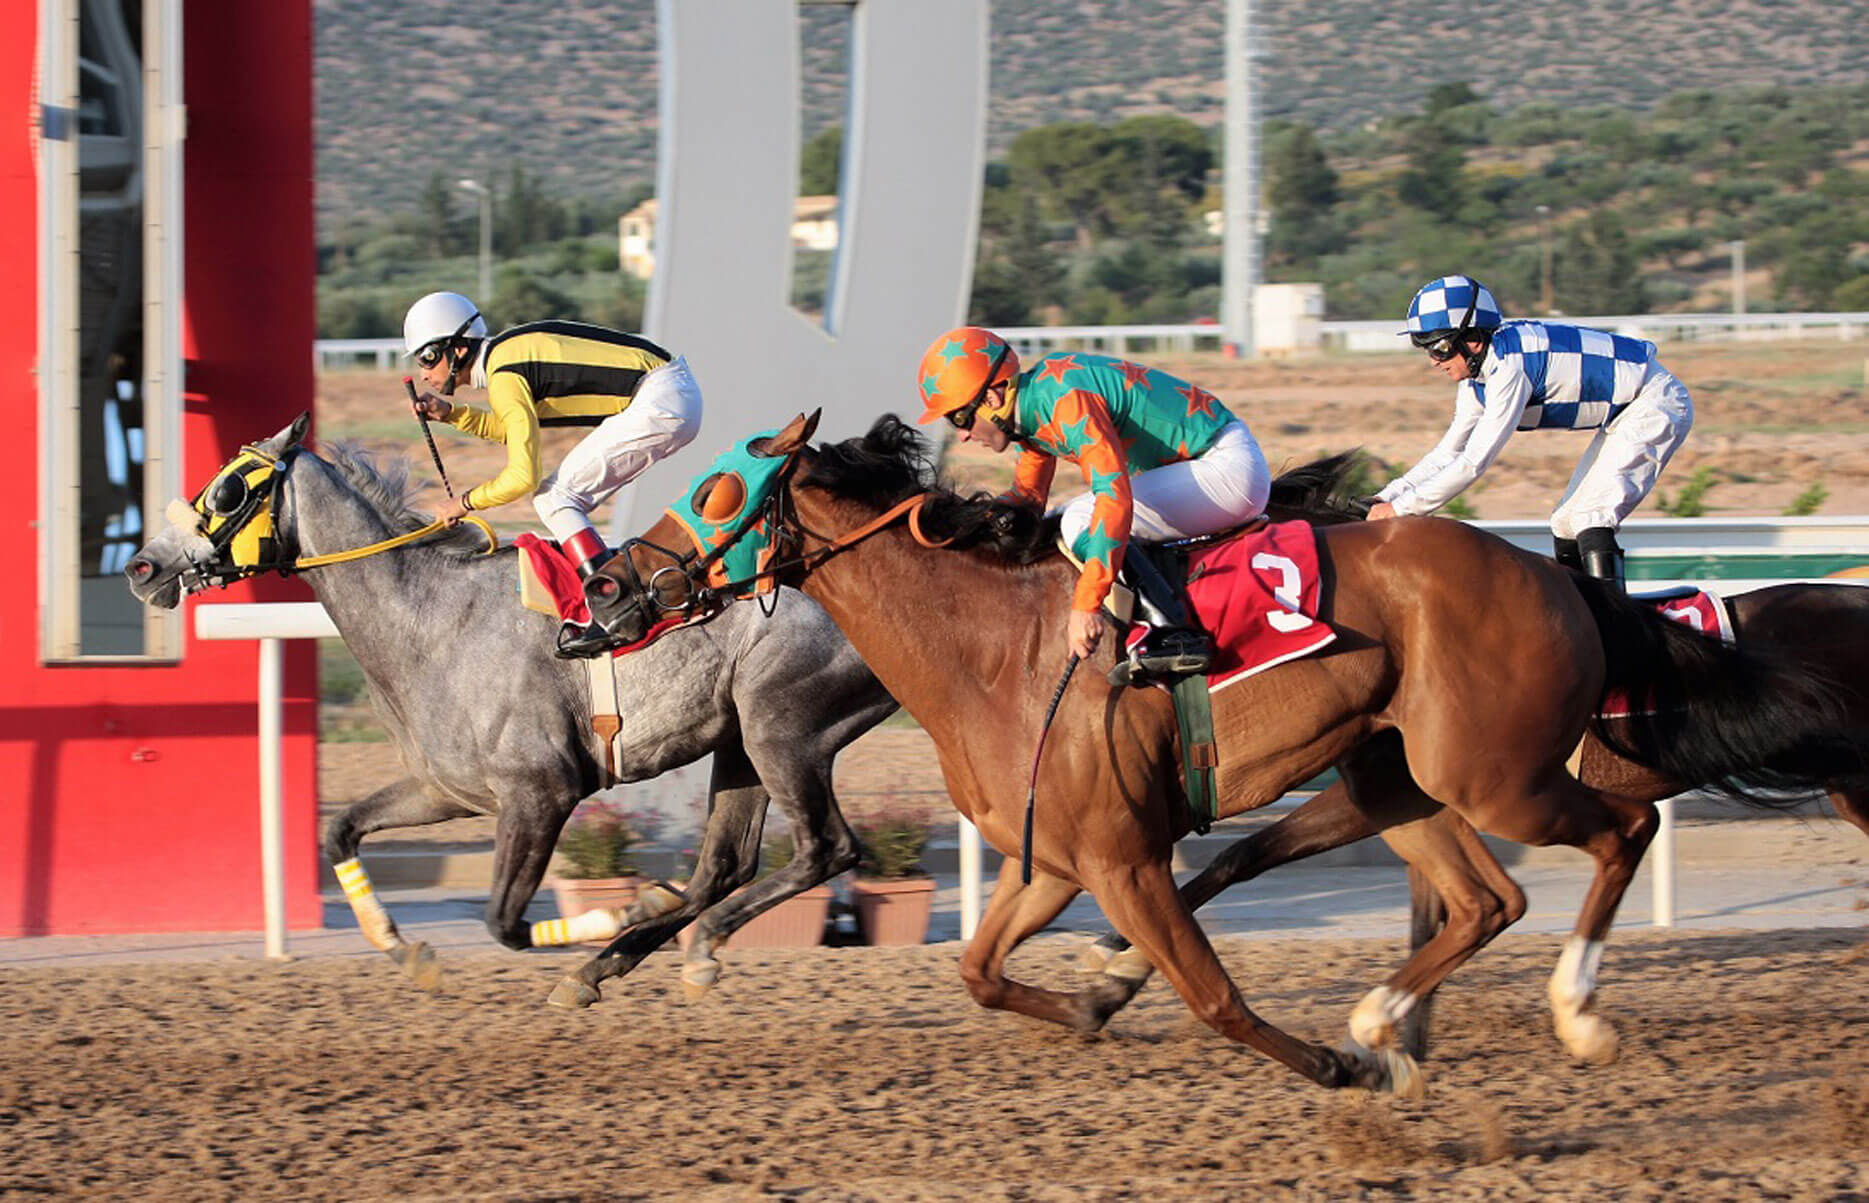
(642, 400)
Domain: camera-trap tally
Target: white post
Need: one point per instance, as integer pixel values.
(969, 879)
(271, 623)
(1661, 856)
(1239, 254)
(272, 795)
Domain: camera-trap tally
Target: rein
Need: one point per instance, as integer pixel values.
(358, 553)
(911, 506)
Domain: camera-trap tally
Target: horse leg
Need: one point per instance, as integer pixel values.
(1141, 899)
(1615, 831)
(401, 804)
(523, 840)
(1427, 915)
(1446, 856)
(1015, 912)
(727, 859)
(1328, 820)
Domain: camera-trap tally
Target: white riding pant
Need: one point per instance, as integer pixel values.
(1626, 456)
(662, 418)
(1226, 485)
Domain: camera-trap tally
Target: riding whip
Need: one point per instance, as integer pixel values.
(416, 402)
(1031, 795)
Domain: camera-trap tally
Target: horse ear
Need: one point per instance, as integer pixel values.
(796, 434)
(291, 436)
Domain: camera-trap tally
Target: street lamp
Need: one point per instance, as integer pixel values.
(1545, 302)
(485, 194)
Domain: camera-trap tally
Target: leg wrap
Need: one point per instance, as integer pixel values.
(601, 924)
(377, 926)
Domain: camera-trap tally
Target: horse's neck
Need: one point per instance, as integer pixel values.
(397, 609)
(973, 659)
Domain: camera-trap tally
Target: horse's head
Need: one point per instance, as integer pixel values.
(719, 539)
(225, 532)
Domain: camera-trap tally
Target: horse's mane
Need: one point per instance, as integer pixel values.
(388, 489)
(892, 463)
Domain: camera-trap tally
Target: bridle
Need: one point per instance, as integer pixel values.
(238, 552)
(702, 599)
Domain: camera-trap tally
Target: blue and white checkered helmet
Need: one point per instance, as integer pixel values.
(1453, 303)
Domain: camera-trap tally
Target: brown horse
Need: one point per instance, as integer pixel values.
(1823, 628)
(1488, 660)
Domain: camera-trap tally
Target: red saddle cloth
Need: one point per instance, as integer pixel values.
(1257, 594)
(560, 578)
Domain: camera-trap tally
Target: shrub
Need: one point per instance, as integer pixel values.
(893, 842)
(597, 841)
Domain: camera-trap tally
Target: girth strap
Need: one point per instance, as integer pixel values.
(1194, 717)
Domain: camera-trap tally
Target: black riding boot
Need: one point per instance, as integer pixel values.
(583, 641)
(1174, 646)
(1602, 558)
(1565, 552)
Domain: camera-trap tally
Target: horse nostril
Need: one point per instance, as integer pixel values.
(602, 588)
(141, 568)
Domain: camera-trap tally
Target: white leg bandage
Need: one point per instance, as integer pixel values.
(601, 924)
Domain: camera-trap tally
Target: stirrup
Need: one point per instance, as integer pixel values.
(1163, 655)
(583, 643)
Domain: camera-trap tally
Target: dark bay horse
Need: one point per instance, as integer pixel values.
(489, 723)
(1823, 628)
(1488, 660)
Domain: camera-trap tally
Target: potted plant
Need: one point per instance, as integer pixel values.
(595, 868)
(798, 922)
(894, 897)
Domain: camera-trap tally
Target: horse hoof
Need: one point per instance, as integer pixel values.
(572, 994)
(697, 978)
(1405, 1079)
(421, 965)
(1591, 1039)
(1129, 965)
(1385, 1070)
(1094, 957)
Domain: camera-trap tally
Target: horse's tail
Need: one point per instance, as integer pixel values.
(1741, 721)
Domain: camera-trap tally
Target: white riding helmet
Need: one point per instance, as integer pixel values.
(441, 317)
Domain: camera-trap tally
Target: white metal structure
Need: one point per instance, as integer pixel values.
(1239, 255)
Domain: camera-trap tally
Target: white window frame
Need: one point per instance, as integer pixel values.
(164, 119)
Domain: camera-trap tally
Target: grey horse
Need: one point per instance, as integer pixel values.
(488, 723)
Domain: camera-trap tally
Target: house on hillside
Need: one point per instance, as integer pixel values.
(814, 228)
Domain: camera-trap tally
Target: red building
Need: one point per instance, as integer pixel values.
(156, 229)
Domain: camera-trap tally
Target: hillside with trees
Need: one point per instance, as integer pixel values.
(566, 89)
(1091, 223)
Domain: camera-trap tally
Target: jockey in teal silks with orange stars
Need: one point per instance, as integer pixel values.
(1163, 458)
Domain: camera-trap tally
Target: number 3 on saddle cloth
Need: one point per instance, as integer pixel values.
(1257, 595)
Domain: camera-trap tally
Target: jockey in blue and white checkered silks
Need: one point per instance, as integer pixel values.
(1528, 375)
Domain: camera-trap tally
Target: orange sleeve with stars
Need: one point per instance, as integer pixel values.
(1031, 480)
(1082, 421)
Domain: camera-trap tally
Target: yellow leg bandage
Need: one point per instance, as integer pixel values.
(377, 926)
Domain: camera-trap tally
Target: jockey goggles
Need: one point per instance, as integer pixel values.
(963, 418)
(1441, 345)
(430, 354)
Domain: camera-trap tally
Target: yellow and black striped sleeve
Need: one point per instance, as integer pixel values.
(552, 374)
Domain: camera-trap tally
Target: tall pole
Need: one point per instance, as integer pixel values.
(485, 295)
(1239, 264)
(1738, 249)
(1545, 303)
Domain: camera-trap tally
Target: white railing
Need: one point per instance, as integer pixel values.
(1374, 336)
(1714, 538)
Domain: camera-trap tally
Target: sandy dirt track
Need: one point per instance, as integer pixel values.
(844, 1074)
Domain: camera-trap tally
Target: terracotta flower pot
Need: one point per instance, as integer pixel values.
(576, 895)
(894, 911)
(798, 922)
